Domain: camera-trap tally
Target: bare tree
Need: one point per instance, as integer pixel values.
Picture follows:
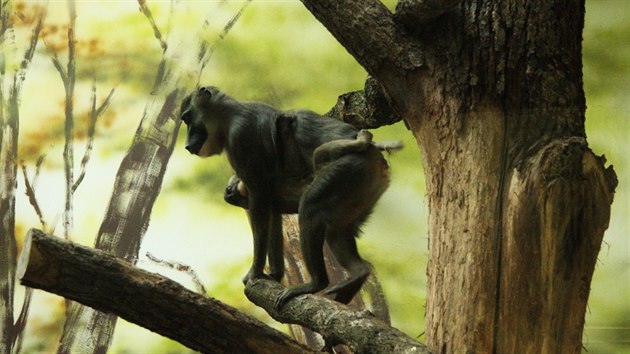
(11, 81)
(138, 180)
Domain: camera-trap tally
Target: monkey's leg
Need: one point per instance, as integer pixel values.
(312, 234)
(276, 248)
(344, 247)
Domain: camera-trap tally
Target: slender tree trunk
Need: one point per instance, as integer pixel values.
(8, 163)
(139, 177)
(492, 91)
(10, 90)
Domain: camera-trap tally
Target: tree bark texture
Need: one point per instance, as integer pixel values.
(112, 285)
(11, 81)
(337, 323)
(371, 297)
(518, 203)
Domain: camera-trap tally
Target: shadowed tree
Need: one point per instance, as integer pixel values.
(518, 203)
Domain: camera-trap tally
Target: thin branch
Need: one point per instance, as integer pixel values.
(205, 53)
(30, 50)
(68, 151)
(93, 116)
(38, 166)
(21, 321)
(156, 31)
(30, 193)
(181, 267)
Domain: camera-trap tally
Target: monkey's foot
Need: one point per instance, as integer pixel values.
(251, 275)
(289, 293)
(277, 276)
(346, 290)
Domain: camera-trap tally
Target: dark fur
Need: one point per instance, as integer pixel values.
(287, 162)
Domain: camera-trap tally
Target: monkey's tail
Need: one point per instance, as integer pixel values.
(390, 146)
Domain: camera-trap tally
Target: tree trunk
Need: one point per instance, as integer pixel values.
(110, 284)
(492, 91)
(139, 177)
(11, 331)
(137, 185)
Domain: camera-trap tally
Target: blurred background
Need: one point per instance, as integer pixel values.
(276, 53)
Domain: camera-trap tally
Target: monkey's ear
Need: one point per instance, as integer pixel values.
(205, 91)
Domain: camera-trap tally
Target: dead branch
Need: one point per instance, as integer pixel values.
(93, 116)
(180, 267)
(32, 199)
(144, 8)
(153, 301)
(337, 323)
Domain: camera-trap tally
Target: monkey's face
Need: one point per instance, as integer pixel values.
(205, 136)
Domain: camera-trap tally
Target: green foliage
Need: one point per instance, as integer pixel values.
(278, 53)
(606, 56)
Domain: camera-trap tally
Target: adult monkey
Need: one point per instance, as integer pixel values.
(295, 161)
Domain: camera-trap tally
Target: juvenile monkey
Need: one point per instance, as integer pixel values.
(294, 161)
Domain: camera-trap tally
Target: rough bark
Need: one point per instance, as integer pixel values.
(366, 109)
(150, 300)
(517, 202)
(366, 28)
(10, 91)
(296, 273)
(337, 323)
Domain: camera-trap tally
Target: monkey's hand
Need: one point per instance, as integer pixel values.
(236, 193)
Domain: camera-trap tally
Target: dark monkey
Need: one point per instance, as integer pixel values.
(287, 162)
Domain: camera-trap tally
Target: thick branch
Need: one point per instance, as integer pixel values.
(106, 283)
(367, 30)
(337, 323)
(365, 109)
(412, 13)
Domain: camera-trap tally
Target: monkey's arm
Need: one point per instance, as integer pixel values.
(260, 216)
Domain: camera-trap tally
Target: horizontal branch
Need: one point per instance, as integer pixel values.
(337, 323)
(106, 283)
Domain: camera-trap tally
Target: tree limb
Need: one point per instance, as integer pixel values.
(366, 28)
(104, 282)
(337, 323)
(412, 13)
(366, 109)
